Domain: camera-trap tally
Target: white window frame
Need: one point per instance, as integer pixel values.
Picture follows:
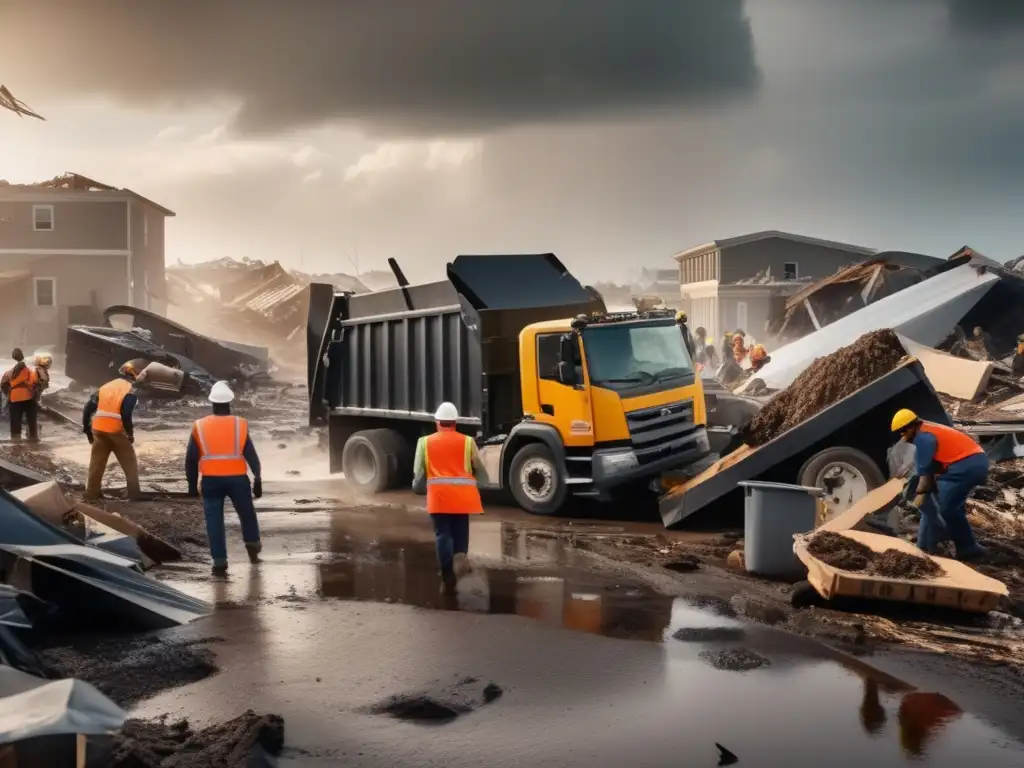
(35, 221)
(741, 316)
(796, 270)
(35, 292)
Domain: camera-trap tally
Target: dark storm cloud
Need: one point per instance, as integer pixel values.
(987, 16)
(404, 65)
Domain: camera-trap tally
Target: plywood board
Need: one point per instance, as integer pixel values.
(960, 587)
(46, 500)
(152, 546)
(875, 501)
(953, 376)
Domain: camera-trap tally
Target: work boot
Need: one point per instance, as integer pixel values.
(448, 582)
(254, 550)
(461, 565)
(220, 568)
(972, 555)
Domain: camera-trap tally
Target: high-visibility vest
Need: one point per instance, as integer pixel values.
(953, 445)
(23, 385)
(451, 486)
(221, 441)
(107, 417)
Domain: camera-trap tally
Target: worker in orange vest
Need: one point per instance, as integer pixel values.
(448, 469)
(950, 464)
(107, 423)
(219, 449)
(19, 386)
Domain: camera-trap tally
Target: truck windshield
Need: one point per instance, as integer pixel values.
(624, 356)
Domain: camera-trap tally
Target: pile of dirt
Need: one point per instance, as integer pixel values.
(128, 669)
(900, 565)
(238, 743)
(735, 660)
(841, 551)
(441, 705)
(826, 381)
(850, 555)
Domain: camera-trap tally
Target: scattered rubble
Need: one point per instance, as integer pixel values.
(238, 743)
(849, 555)
(900, 565)
(826, 381)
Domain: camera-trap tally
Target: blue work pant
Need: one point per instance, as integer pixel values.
(238, 489)
(452, 534)
(948, 517)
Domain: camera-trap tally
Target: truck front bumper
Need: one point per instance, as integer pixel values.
(613, 467)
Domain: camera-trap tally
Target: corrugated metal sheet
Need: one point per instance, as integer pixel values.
(268, 300)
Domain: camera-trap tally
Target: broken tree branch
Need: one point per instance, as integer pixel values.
(18, 107)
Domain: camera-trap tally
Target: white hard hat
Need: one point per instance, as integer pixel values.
(221, 393)
(446, 412)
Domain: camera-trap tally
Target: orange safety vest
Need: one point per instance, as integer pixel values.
(107, 417)
(953, 445)
(451, 487)
(221, 441)
(23, 385)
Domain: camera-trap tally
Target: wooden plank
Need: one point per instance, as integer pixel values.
(951, 375)
(875, 501)
(960, 587)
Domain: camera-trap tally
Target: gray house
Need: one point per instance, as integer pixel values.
(71, 247)
(736, 283)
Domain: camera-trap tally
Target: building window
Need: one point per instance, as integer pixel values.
(741, 316)
(45, 292)
(42, 218)
(790, 270)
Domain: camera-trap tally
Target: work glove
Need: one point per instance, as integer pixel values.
(88, 436)
(257, 488)
(131, 439)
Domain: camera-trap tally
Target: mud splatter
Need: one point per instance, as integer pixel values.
(824, 382)
(709, 634)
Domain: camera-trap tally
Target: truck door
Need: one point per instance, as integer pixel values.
(565, 407)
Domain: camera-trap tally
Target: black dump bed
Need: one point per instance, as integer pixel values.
(398, 353)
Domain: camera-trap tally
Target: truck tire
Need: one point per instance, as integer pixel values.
(366, 462)
(400, 455)
(536, 481)
(858, 472)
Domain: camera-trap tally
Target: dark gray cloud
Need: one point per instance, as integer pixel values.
(400, 65)
(987, 16)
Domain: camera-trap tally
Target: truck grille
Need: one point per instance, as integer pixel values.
(662, 430)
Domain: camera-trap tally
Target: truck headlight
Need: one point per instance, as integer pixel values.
(613, 462)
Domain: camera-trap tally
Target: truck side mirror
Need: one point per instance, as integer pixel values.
(567, 374)
(568, 348)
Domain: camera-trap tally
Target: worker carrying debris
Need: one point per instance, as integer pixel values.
(739, 349)
(448, 469)
(758, 357)
(20, 386)
(43, 363)
(107, 424)
(949, 465)
(219, 449)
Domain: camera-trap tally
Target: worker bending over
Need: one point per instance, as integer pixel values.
(20, 385)
(448, 469)
(107, 424)
(949, 466)
(219, 449)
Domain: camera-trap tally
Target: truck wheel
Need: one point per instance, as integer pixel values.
(399, 452)
(536, 480)
(845, 474)
(366, 463)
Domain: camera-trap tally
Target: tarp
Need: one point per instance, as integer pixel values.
(925, 312)
(98, 587)
(12, 614)
(33, 708)
(20, 526)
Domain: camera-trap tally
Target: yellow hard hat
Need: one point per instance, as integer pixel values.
(904, 417)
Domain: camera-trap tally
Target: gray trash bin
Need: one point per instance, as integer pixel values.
(773, 513)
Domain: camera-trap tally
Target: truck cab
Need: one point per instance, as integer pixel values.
(614, 400)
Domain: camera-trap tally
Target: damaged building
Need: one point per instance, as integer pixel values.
(71, 246)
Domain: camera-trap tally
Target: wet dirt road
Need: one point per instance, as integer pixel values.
(346, 611)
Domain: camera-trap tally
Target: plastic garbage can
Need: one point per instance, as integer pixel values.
(773, 513)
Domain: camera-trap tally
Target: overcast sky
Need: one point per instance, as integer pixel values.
(612, 132)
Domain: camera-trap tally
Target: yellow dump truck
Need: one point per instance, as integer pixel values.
(563, 397)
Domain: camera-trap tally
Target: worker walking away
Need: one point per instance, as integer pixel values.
(449, 470)
(107, 423)
(19, 385)
(219, 449)
(949, 465)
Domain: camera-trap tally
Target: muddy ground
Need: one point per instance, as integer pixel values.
(693, 565)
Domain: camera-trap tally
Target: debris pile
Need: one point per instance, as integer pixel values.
(238, 743)
(826, 381)
(847, 554)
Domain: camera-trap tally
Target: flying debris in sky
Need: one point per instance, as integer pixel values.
(7, 101)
